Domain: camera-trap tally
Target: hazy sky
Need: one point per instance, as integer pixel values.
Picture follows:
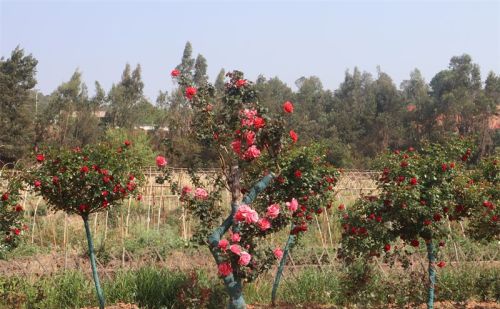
(288, 39)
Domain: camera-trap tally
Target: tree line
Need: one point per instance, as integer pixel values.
(364, 116)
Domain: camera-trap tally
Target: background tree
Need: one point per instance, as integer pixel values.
(69, 118)
(17, 79)
(200, 76)
(126, 99)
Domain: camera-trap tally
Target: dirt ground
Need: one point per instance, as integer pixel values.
(438, 305)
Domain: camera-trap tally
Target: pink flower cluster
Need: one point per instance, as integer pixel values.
(200, 194)
(292, 205)
(247, 214)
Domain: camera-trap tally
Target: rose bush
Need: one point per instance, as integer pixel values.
(483, 191)
(86, 180)
(419, 192)
(11, 211)
(271, 185)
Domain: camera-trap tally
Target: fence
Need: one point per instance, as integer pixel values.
(158, 209)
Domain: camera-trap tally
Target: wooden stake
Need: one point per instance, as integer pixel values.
(34, 220)
(329, 228)
(65, 241)
(106, 226)
(128, 215)
(160, 204)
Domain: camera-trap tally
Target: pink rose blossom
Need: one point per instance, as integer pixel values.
(247, 214)
(249, 116)
(293, 205)
(278, 253)
(245, 258)
(252, 153)
(161, 161)
(250, 113)
(200, 193)
(235, 237)
(273, 211)
(225, 269)
(235, 249)
(223, 244)
(264, 224)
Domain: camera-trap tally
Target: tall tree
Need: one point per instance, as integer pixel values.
(386, 127)
(200, 71)
(420, 116)
(487, 122)
(126, 97)
(456, 91)
(187, 62)
(70, 115)
(17, 79)
(219, 81)
(353, 110)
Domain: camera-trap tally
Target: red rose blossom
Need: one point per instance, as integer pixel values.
(190, 92)
(40, 157)
(294, 136)
(258, 122)
(288, 107)
(175, 73)
(241, 83)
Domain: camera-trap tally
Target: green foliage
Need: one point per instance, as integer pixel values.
(141, 152)
(174, 289)
(17, 79)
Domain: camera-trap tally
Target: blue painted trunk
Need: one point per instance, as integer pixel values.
(290, 242)
(432, 275)
(95, 275)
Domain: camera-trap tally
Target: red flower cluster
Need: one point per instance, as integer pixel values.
(190, 92)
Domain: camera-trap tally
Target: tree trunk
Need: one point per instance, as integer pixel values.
(432, 274)
(95, 275)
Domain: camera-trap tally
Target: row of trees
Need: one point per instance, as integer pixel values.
(363, 116)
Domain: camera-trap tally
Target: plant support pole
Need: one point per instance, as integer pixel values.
(432, 274)
(95, 275)
(290, 242)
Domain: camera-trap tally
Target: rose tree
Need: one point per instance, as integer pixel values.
(85, 181)
(483, 191)
(11, 212)
(419, 192)
(250, 144)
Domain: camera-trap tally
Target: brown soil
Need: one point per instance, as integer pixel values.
(438, 305)
(47, 264)
(116, 306)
